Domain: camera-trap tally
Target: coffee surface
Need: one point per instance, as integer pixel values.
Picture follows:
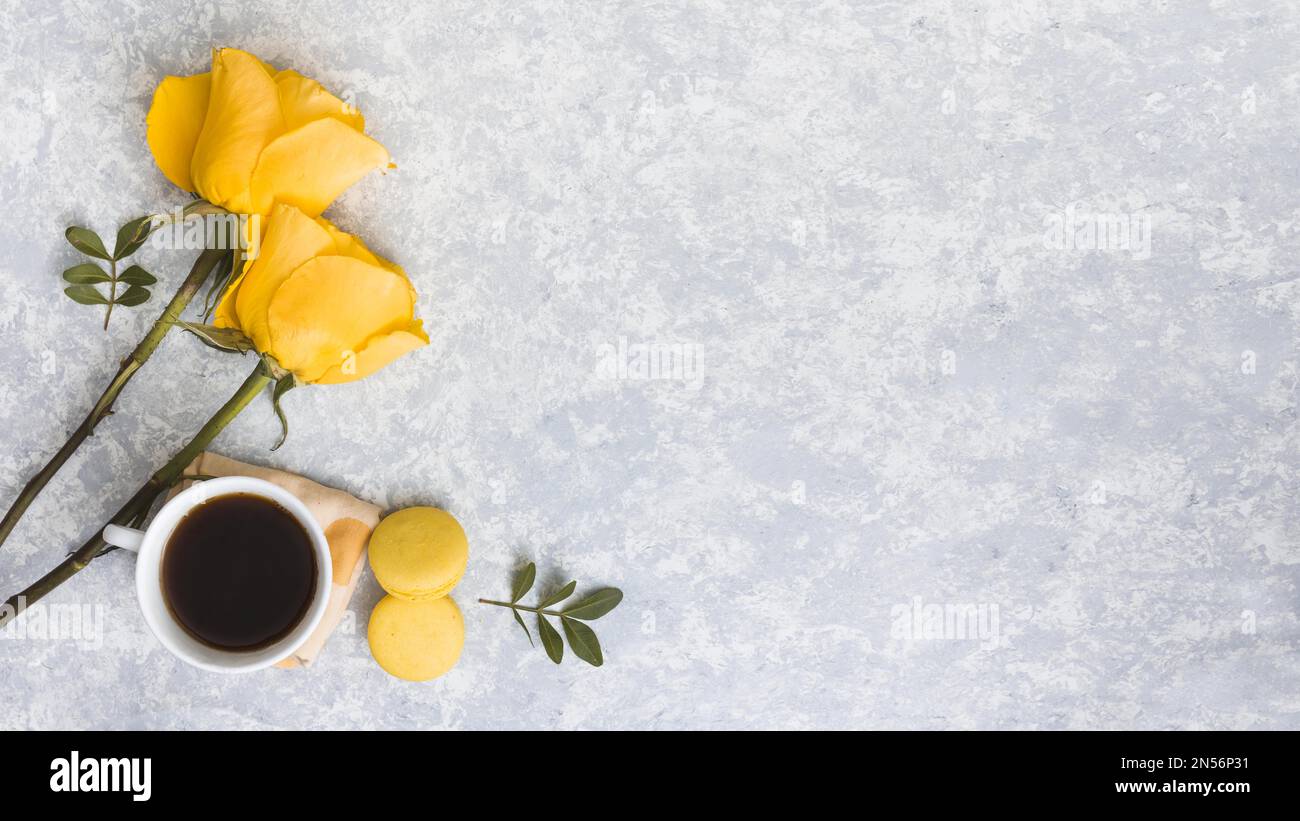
(239, 572)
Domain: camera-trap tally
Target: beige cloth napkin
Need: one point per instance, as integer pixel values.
(346, 520)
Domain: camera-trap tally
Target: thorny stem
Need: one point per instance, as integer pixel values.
(202, 267)
(139, 504)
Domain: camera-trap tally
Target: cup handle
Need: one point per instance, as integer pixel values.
(127, 538)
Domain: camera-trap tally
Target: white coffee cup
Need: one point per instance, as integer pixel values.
(150, 543)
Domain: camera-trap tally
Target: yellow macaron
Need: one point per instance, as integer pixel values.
(419, 553)
(416, 640)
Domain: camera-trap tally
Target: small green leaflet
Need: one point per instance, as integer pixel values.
(583, 641)
(133, 296)
(551, 639)
(559, 595)
(135, 275)
(524, 583)
(85, 295)
(87, 273)
(520, 619)
(132, 235)
(596, 605)
(86, 241)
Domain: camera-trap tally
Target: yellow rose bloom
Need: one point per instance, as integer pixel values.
(245, 136)
(320, 302)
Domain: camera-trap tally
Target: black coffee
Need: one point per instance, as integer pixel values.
(239, 572)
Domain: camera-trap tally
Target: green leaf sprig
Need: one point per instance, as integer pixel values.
(582, 639)
(84, 279)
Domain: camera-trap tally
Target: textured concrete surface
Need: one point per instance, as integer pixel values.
(910, 378)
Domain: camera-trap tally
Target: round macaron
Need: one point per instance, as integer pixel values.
(416, 640)
(419, 553)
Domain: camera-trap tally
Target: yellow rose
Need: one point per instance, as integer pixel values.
(245, 136)
(320, 302)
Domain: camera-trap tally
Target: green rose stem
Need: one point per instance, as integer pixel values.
(202, 268)
(136, 508)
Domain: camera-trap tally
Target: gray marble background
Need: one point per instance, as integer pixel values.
(907, 391)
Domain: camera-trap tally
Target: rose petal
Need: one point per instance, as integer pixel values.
(174, 123)
(330, 308)
(378, 352)
(303, 100)
(313, 164)
(292, 238)
(243, 118)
